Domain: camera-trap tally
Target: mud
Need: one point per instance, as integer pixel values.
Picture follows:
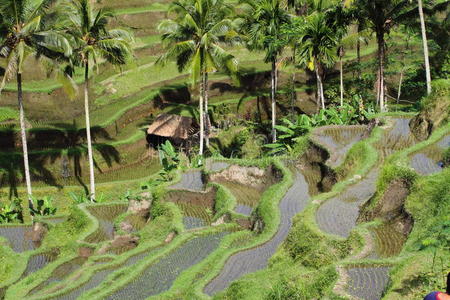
(105, 215)
(255, 259)
(205, 199)
(390, 208)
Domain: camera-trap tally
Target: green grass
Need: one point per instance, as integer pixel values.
(141, 9)
(7, 113)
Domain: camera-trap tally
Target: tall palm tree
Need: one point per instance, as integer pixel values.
(317, 49)
(24, 31)
(92, 41)
(262, 22)
(194, 40)
(382, 16)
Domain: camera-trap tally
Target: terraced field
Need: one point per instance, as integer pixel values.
(429, 160)
(367, 282)
(196, 235)
(255, 259)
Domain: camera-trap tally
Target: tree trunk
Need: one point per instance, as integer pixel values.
(273, 91)
(381, 55)
(206, 113)
(23, 133)
(342, 79)
(425, 48)
(88, 133)
(320, 87)
(400, 85)
(202, 123)
(293, 93)
(319, 96)
(358, 49)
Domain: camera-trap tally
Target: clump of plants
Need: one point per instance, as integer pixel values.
(291, 132)
(43, 207)
(11, 212)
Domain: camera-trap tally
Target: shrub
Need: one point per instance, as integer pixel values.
(43, 207)
(11, 212)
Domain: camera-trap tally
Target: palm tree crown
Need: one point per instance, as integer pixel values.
(194, 40)
(92, 41)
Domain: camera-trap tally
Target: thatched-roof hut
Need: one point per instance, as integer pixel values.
(177, 129)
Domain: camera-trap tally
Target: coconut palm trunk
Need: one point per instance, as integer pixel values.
(400, 86)
(425, 47)
(88, 132)
(341, 70)
(380, 81)
(206, 114)
(272, 96)
(200, 106)
(23, 134)
(293, 93)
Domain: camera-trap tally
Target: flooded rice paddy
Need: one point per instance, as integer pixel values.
(429, 160)
(367, 282)
(255, 259)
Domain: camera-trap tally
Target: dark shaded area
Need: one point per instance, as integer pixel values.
(65, 142)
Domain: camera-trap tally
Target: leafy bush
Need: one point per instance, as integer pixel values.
(11, 212)
(290, 132)
(168, 156)
(83, 198)
(43, 207)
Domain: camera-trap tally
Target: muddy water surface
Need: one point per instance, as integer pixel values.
(160, 276)
(429, 160)
(18, 237)
(191, 180)
(338, 140)
(367, 282)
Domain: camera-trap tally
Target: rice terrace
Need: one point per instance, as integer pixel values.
(224, 149)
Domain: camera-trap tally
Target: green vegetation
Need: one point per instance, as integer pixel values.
(266, 84)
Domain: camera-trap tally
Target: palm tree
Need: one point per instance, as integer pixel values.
(92, 41)
(24, 31)
(425, 47)
(382, 16)
(317, 49)
(262, 25)
(194, 41)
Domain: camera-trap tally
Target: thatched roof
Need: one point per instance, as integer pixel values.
(173, 126)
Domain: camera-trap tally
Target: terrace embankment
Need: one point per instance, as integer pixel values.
(247, 184)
